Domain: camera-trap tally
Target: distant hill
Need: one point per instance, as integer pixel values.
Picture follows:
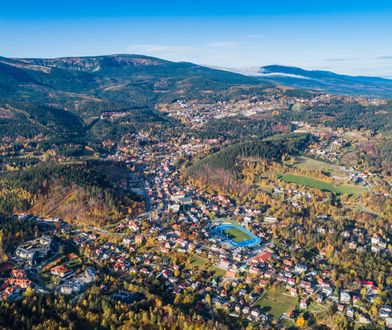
(134, 80)
(63, 98)
(79, 89)
(324, 81)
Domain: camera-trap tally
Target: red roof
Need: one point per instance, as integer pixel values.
(230, 274)
(59, 270)
(18, 273)
(263, 257)
(119, 266)
(24, 283)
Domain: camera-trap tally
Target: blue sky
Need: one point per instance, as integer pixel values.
(353, 37)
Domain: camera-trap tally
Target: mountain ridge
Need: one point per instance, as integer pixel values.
(89, 86)
(320, 80)
(68, 95)
(122, 65)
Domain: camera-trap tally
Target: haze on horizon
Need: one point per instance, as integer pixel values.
(350, 38)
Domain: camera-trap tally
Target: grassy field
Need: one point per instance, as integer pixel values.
(267, 188)
(310, 164)
(278, 305)
(197, 261)
(323, 185)
(288, 324)
(237, 235)
(218, 272)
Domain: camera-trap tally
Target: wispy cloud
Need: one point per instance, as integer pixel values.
(339, 59)
(223, 44)
(244, 53)
(205, 52)
(184, 49)
(388, 57)
(161, 49)
(254, 36)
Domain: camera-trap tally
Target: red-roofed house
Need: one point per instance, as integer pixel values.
(60, 271)
(23, 283)
(119, 266)
(262, 258)
(18, 273)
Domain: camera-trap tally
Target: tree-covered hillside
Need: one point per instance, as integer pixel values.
(273, 148)
(75, 192)
(68, 96)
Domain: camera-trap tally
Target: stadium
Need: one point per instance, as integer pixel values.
(235, 234)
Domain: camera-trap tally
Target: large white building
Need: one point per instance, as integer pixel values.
(39, 247)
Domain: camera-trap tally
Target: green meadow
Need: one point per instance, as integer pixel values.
(322, 185)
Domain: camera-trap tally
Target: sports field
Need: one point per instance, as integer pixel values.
(236, 235)
(323, 185)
